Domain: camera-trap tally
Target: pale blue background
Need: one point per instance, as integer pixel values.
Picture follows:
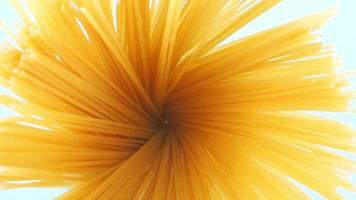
(340, 31)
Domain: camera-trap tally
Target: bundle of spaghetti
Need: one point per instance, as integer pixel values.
(142, 100)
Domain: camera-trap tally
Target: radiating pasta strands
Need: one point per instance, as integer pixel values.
(141, 100)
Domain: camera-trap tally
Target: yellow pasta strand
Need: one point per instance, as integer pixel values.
(138, 100)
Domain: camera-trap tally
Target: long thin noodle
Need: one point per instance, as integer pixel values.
(137, 100)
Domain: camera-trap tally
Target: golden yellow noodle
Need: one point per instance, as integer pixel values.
(136, 99)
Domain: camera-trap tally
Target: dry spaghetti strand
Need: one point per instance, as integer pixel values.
(137, 100)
